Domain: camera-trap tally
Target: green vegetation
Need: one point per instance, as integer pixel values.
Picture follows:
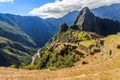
(16, 47)
(111, 37)
(55, 60)
(55, 55)
(16, 33)
(82, 36)
(62, 37)
(86, 43)
(115, 38)
(29, 67)
(12, 66)
(3, 40)
(14, 53)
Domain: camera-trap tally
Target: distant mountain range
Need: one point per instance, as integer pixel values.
(36, 28)
(20, 36)
(110, 12)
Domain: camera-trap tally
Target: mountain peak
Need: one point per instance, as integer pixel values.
(86, 10)
(85, 19)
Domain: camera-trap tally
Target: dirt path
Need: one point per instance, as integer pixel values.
(36, 55)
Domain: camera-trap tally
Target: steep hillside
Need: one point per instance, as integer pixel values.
(101, 67)
(20, 36)
(77, 42)
(38, 29)
(87, 21)
(14, 53)
(16, 47)
(15, 34)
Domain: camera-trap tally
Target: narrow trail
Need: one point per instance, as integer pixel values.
(36, 55)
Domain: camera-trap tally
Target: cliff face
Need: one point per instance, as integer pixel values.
(85, 19)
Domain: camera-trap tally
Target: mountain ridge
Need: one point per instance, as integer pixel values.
(96, 24)
(18, 44)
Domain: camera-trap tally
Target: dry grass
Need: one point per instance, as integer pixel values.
(108, 69)
(113, 37)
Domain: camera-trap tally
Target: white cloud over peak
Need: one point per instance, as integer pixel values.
(3, 1)
(61, 7)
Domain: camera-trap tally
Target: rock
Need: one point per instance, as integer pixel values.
(79, 53)
(102, 42)
(84, 62)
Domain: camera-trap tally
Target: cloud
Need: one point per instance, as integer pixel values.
(61, 7)
(3, 1)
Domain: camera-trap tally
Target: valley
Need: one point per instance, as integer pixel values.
(34, 56)
(81, 45)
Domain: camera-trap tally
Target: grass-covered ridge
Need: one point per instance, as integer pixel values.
(14, 53)
(16, 47)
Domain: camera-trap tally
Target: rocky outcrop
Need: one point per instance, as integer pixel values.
(64, 27)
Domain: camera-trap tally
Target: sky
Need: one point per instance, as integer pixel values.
(49, 8)
(21, 7)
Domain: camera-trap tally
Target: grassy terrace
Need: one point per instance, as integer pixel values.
(82, 36)
(113, 37)
(86, 43)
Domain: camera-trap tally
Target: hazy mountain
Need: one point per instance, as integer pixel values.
(38, 29)
(20, 36)
(69, 19)
(111, 12)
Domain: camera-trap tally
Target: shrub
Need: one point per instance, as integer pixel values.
(12, 66)
(29, 67)
(55, 60)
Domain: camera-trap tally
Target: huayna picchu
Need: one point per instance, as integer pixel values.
(87, 41)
